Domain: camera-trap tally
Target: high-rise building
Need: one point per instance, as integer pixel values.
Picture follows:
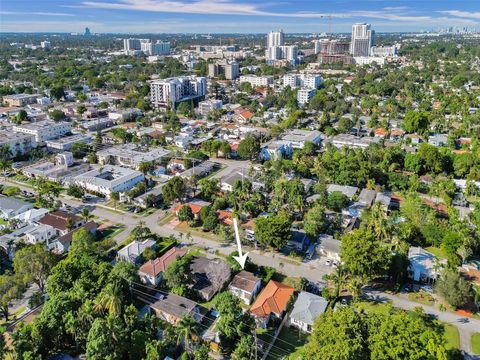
(45, 44)
(362, 39)
(131, 44)
(275, 38)
(277, 50)
(230, 70)
(169, 92)
(87, 32)
(146, 46)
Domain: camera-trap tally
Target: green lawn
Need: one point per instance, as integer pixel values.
(452, 336)
(437, 252)
(422, 297)
(476, 343)
(289, 341)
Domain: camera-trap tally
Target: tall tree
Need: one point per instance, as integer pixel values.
(34, 263)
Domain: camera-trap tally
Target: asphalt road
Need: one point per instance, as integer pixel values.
(466, 326)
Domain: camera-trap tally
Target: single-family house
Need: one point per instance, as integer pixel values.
(424, 266)
(172, 308)
(348, 191)
(329, 247)
(195, 205)
(245, 285)
(11, 207)
(151, 272)
(133, 251)
(299, 241)
(306, 309)
(209, 276)
(272, 301)
(366, 197)
(62, 244)
(62, 221)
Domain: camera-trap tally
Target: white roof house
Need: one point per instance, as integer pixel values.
(134, 250)
(348, 191)
(424, 266)
(11, 207)
(306, 309)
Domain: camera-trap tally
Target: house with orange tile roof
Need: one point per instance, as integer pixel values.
(151, 272)
(272, 301)
(195, 205)
(225, 217)
(381, 132)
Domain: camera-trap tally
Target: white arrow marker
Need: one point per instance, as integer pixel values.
(241, 258)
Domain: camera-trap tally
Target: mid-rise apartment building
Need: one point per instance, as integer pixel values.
(44, 130)
(169, 92)
(231, 70)
(255, 80)
(17, 143)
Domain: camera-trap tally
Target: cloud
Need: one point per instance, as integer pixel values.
(462, 14)
(38, 13)
(227, 7)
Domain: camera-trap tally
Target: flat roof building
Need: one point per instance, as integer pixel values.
(18, 143)
(130, 155)
(108, 179)
(44, 130)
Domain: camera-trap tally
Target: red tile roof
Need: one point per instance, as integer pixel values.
(274, 298)
(58, 219)
(155, 267)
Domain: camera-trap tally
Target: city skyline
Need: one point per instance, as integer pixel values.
(225, 16)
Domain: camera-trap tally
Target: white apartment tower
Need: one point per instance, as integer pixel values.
(275, 38)
(362, 39)
(168, 92)
(131, 44)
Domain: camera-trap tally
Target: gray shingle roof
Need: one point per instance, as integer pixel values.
(308, 307)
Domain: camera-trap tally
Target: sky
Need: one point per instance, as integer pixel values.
(234, 16)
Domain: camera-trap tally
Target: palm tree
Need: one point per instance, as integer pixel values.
(70, 224)
(187, 329)
(86, 214)
(110, 299)
(476, 296)
(354, 285)
(115, 197)
(377, 221)
(338, 278)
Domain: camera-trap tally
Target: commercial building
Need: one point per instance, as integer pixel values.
(169, 92)
(20, 99)
(362, 39)
(18, 143)
(230, 71)
(130, 155)
(44, 130)
(108, 179)
(255, 80)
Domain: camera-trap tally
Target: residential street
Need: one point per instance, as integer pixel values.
(312, 271)
(466, 326)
